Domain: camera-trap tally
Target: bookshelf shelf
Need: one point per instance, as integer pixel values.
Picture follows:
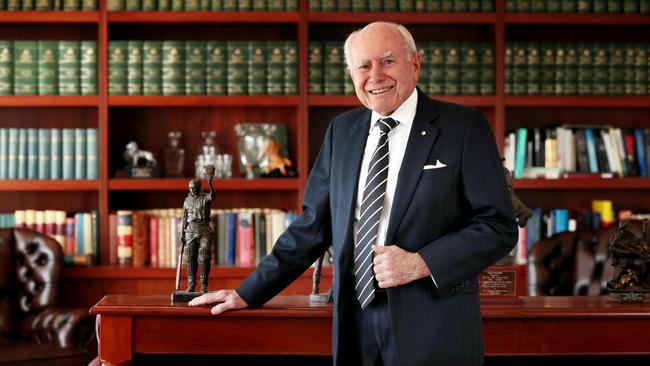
(48, 185)
(583, 183)
(203, 101)
(352, 101)
(189, 17)
(70, 17)
(578, 101)
(403, 18)
(569, 19)
(235, 184)
(49, 101)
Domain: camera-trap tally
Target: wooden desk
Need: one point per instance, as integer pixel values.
(289, 325)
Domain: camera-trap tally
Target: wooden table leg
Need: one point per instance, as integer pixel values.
(116, 347)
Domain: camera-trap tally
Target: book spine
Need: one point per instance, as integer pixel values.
(149, 5)
(69, 67)
(80, 153)
(173, 76)
(68, 153)
(177, 5)
(152, 68)
(333, 68)
(165, 5)
(22, 154)
(48, 83)
(80, 224)
(43, 5)
(134, 68)
(229, 5)
(195, 68)
(59, 227)
(27, 5)
(92, 153)
(486, 67)
(115, 5)
(290, 68)
(70, 238)
(599, 73)
(124, 237)
(275, 68)
(88, 68)
(12, 153)
(132, 5)
(244, 5)
(153, 242)
(519, 69)
(215, 5)
(257, 68)
(520, 154)
(32, 153)
(117, 56)
(436, 66)
(4, 153)
(629, 62)
(71, 5)
(585, 69)
(559, 70)
(571, 65)
(88, 5)
(616, 69)
(640, 148)
(533, 68)
(315, 67)
(56, 153)
(641, 63)
(44, 150)
(6, 67)
(140, 224)
(13, 5)
(246, 248)
(216, 64)
(452, 69)
(25, 67)
(469, 81)
(276, 5)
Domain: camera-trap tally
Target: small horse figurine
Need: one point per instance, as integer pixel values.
(138, 158)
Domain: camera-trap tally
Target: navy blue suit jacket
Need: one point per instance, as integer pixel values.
(459, 218)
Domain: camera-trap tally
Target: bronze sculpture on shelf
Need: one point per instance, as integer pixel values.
(631, 261)
(196, 237)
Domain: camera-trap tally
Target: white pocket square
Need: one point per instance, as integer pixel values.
(439, 164)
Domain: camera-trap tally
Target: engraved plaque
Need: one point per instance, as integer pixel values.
(498, 282)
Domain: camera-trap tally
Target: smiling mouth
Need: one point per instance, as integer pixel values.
(380, 90)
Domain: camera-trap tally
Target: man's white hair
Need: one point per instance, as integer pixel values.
(409, 42)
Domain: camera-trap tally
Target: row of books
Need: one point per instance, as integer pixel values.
(76, 232)
(202, 5)
(545, 223)
(402, 5)
(48, 153)
(66, 5)
(152, 237)
(579, 6)
(577, 68)
(570, 151)
(44, 67)
(450, 68)
(203, 67)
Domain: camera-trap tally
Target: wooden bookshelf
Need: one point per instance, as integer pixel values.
(148, 118)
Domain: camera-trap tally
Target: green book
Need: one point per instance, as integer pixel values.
(92, 153)
(391, 5)
(560, 69)
(599, 6)
(290, 68)
(547, 74)
(292, 5)
(423, 50)
(56, 144)
(571, 64)
(406, 5)
(149, 5)
(630, 7)
(314, 5)
(344, 5)
(614, 6)
(276, 5)
(569, 6)
(12, 153)
(195, 68)
(315, 67)
(173, 73)
(88, 70)
(69, 67)
(21, 159)
(511, 6)
(644, 6)
(446, 5)
(641, 69)
(275, 68)
(71, 5)
(436, 79)
(43, 153)
(359, 5)
(257, 68)
(27, 5)
(25, 67)
(629, 62)
(460, 5)
(32, 153)
(79, 153)
(585, 69)
(215, 5)
(117, 56)
(469, 80)
(152, 68)
(192, 5)
(176, 5)
(244, 5)
(164, 5)
(375, 5)
(88, 5)
(134, 68)
(519, 69)
(132, 5)
(13, 5)
(486, 65)
(487, 5)
(237, 65)
(205, 5)
(474, 5)
(259, 5)
(452, 69)
(509, 69)
(41, 5)
(585, 6)
(328, 6)
(616, 66)
(229, 5)
(533, 69)
(4, 152)
(48, 69)
(217, 67)
(115, 5)
(538, 6)
(6, 67)
(600, 69)
(333, 68)
(553, 6)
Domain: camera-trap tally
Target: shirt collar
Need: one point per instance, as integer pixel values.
(404, 114)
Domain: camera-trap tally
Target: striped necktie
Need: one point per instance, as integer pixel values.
(369, 215)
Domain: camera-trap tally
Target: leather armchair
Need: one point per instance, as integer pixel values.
(33, 330)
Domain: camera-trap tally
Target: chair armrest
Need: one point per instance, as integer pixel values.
(69, 328)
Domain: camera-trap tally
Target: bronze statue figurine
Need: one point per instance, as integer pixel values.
(631, 259)
(196, 237)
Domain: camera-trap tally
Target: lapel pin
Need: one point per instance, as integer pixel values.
(424, 133)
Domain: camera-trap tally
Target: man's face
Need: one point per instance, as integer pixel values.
(382, 74)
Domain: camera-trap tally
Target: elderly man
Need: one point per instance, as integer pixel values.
(410, 192)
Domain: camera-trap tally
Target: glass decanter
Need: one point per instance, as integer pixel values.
(174, 156)
(207, 153)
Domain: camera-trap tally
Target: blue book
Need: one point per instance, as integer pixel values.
(79, 233)
(591, 150)
(639, 147)
(4, 152)
(32, 153)
(80, 153)
(520, 152)
(22, 154)
(561, 220)
(67, 153)
(92, 160)
(12, 154)
(534, 228)
(55, 153)
(44, 153)
(231, 238)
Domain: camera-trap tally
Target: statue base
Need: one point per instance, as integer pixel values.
(324, 298)
(185, 296)
(630, 296)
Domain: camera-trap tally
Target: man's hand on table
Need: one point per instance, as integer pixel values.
(227, 299)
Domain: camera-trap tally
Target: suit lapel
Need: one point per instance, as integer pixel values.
(421, 139)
